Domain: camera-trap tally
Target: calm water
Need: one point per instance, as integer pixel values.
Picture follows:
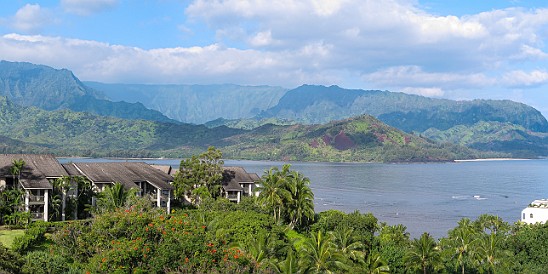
(423, 197)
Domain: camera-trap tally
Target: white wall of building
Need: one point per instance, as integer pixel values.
(532, 215)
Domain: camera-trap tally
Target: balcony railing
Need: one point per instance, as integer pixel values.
(37, 215)
(36, 199)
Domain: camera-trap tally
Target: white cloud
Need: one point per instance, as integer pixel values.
(370, 34)
(522, 79)
(430, 92)
(31, 18)
(261, 39)
(414, 77)
(91, 60)
(87, 7)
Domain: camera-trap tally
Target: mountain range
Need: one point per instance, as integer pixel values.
(158, 115)
(41, 86)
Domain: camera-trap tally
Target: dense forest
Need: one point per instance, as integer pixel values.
(364, 138)
(276, 232)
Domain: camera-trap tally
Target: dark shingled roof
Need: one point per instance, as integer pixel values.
(126, 173)
(38, 167)
(71, 170)
(233, 176)
(163, 168)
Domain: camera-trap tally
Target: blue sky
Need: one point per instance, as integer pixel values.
(453, 49)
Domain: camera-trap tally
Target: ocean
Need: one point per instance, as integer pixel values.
(425, 197)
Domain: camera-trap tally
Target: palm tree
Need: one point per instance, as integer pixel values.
(490, 253)
(348, 245)
(273, 191)
(301, 205)
(257, 248)
(16, 168)
(115, 197)
(374, 264)
(492, 224)
(84, 197)
(55, 204)
(423, 254)
(287, 266)
(461, 242)
(318, 254)
(64, 185)
(394, 234)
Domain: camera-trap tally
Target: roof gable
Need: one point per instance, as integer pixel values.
(37, 168)
(126, 173)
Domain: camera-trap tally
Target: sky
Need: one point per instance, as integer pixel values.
(455, 49)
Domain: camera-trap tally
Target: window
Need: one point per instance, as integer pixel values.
(531, 215)
(523, 216)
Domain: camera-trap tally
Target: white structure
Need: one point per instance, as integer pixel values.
(536, 212)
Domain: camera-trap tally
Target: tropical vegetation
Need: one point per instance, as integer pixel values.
(276, 232)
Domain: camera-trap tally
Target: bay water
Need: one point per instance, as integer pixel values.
(425, 197)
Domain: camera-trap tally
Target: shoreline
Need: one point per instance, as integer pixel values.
(492, 159)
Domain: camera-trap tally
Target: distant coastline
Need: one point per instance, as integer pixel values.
(493, 159)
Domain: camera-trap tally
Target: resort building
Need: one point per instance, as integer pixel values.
(150, 181)
(238, 183)
(35, 178)
(536, 212)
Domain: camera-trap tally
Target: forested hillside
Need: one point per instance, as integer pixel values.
(319, 104)
(65, 132)
(362, 138)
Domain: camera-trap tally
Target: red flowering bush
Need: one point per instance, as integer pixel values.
(128, 241)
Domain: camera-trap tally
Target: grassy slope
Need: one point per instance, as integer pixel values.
(7, 236)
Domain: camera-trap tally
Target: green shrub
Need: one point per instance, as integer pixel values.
(32, 237)
(10, 261)
(37, 262)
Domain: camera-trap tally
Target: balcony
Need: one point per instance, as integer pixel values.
(232, 196)
(35, 199)
(37, 216)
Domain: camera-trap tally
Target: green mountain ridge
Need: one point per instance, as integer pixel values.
(250, 107)
(41, 86)
(494, 136)
(358, 139)
(66, 132)
(69, 133)
(311, 104)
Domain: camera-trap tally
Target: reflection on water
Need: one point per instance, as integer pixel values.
(423, 197)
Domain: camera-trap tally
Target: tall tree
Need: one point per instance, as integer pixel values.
(301, 205)
(199, 173)
(16, 169)
(274, 192)
(423, 255)
(348, 244)
(492, 256)
(115, 197)
(63, 185)
(461, 243)
(318, 254)
(374, 264)
(86, 192)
